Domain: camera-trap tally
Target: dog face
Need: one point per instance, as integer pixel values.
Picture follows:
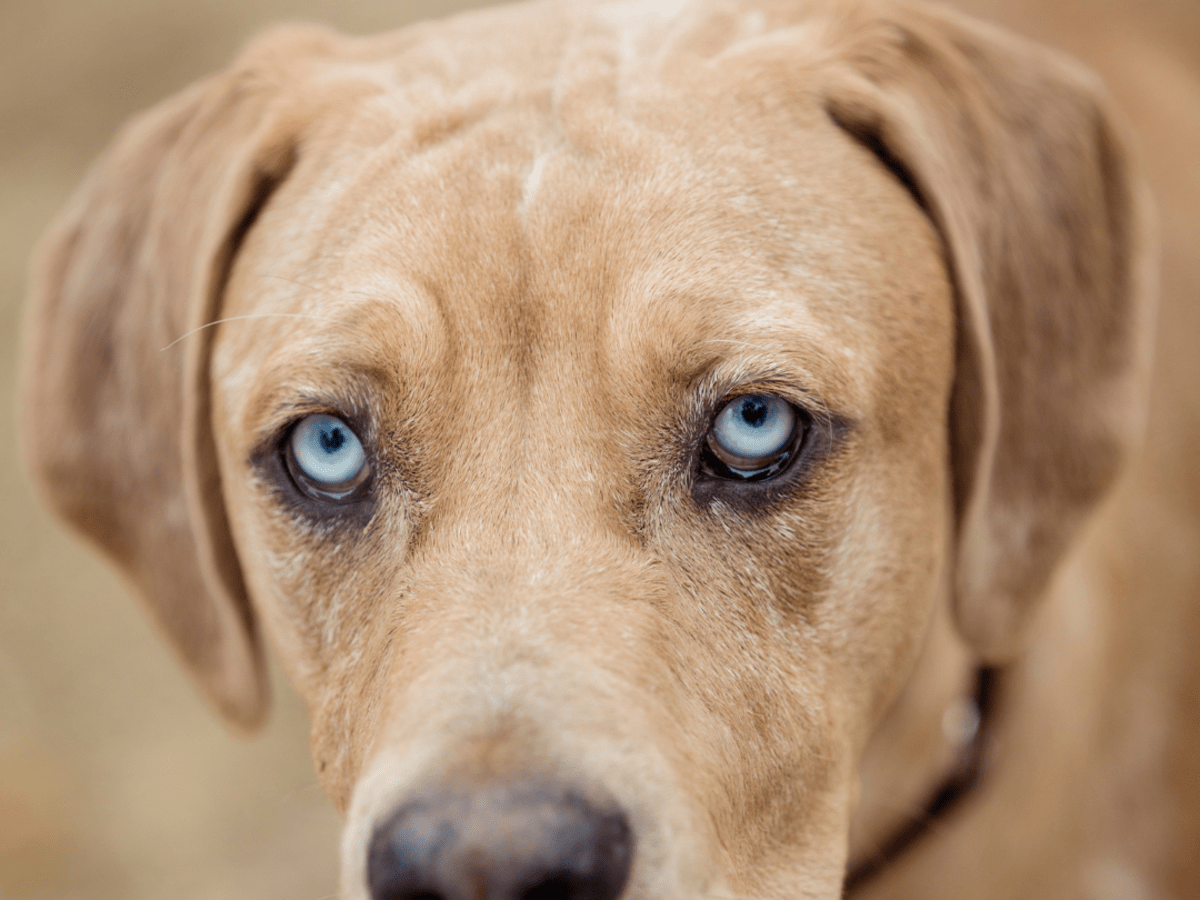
(548, 570)
(594, 417)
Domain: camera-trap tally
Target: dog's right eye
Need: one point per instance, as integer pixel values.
(326, 459)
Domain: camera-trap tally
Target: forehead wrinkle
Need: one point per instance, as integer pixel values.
(785, 288)
(348, 388)
(363, 348)
(697, 335)
(380, 202)
(720, 365)
(343, 312)
(804, 375)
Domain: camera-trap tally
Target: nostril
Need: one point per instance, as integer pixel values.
(522, 842)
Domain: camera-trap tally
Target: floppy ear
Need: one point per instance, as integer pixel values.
(1014, 155)
(116, 414)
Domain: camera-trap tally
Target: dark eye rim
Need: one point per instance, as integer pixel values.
(281, 474)
(713, 466)
(819, 434)
(721, 462)
(344, 494)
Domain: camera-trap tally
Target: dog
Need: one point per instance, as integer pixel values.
(678, 450)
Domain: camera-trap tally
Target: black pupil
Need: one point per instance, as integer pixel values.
(331, 440)
(754, 412)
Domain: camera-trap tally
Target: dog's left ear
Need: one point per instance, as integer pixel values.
(118, 424)
(1015, 156)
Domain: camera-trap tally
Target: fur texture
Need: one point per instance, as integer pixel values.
(528, 253)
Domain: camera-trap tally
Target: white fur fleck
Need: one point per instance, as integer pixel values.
(533, 181)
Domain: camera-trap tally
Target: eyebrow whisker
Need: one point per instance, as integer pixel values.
(236, 318)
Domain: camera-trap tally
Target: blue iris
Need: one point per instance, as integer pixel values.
(327, 451)
(753, 431)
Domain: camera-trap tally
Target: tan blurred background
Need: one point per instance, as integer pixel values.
(115, 780)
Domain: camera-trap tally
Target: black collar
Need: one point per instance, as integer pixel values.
(962, 781)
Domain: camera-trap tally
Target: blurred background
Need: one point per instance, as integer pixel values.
(115, 780)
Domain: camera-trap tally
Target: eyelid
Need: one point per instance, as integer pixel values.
(277, 425)
(712, 395)
(348, 391)
(724, 382)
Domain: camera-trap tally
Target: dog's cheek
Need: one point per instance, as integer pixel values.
(888, 565)
(809, 614)
(750, 665)
(327, 598)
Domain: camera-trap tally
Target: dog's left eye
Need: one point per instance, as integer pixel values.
(326, 459)
(753, 437)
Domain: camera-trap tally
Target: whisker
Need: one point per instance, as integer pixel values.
(247, 316)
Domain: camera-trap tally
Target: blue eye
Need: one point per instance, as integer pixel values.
(754, 435)
(326, 458)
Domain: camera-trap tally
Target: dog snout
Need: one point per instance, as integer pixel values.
(527, 842)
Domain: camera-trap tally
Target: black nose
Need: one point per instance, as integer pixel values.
(511, 842)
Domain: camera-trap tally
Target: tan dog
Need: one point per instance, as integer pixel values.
(640, 428)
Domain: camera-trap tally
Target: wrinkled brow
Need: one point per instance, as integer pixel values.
(345, 388)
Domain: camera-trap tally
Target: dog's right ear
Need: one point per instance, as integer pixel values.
(116, 407)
